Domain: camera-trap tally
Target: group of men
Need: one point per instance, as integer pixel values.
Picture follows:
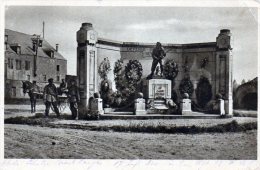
(50, 96)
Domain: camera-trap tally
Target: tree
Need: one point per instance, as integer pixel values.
(243, 81)
(235, 85)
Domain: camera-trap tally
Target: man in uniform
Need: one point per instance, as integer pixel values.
(74, 98)
(63, 86)
(158, 54)
(33, 92)
(50, 97)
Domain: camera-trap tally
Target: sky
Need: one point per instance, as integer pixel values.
(176, 25)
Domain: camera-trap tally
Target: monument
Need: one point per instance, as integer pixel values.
(207, 71)
(86, 66)
(157, 93)
(224, 68)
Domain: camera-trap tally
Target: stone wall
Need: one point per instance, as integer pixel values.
(193, 54)
(113, 54)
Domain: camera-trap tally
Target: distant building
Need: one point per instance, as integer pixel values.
(245, 96)
(21, 63)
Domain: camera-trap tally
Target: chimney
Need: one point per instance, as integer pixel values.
(57, 47)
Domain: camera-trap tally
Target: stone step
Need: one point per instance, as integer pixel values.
(156, 116)
(119, 113)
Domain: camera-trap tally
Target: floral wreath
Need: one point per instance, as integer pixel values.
(104, 68)
(170, 69)
(133, 71)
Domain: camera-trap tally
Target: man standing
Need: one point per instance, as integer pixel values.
(33, 92)
(74, 98)
(63, 87)
(50, 98)
(158, 54)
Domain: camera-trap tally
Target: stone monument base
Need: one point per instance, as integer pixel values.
(157, 92)
(140, 106)
(186, 107)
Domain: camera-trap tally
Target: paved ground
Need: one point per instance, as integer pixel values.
(25, 110)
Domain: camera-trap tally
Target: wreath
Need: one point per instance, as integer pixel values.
(170, 69)
(104, 68)
(133, 71)
(119, 76)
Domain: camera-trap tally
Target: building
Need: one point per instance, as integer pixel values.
(22, 63)
(207, 63)
(245, 96)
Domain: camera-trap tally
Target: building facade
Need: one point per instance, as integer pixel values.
(27, 60)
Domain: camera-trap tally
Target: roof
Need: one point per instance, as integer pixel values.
(25, 41)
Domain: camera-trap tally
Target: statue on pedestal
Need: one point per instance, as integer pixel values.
(158, 54)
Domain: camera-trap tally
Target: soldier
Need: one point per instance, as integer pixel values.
(74, 98)
(50, 97)
(33, 91)
(158, 54)
(63, 87)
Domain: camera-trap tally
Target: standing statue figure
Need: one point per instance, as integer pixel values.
(158, 54)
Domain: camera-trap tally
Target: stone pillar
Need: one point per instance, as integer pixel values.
(86, 66)
(140, 106)
(224, 68)
(97, 106)
(221, 106)
(185, 105)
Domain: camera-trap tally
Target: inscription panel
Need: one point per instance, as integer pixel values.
(91, 72)
(222, 75)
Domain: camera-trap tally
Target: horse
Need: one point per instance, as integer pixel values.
(28, 88)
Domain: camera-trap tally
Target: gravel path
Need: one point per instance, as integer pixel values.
(22, 141)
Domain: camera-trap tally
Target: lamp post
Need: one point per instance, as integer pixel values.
(37, 42)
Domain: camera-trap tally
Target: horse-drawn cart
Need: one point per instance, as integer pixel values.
(62, 103)
(62, 99)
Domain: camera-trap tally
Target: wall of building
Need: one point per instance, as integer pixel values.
(143, 53)
(45, 66)
(48, 67)
(112, 53)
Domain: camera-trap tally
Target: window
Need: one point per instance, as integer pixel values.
(18, 64)
(44, 78)
(58, 67)
(58, 78)
(13, 91)
(18, 50)
(52, 54)
(10, 63)
(28, 77)
(27, 65)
